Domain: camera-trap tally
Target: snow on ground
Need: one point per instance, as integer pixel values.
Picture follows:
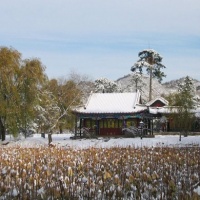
(63, 140)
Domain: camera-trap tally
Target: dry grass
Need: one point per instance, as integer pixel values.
(98, 173)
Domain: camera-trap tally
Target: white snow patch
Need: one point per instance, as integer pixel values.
(63, 140)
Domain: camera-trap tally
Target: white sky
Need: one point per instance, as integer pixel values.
(102, 38)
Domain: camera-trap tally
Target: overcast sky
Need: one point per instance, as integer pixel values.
(102, 38)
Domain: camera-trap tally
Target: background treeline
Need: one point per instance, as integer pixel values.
(30, 101)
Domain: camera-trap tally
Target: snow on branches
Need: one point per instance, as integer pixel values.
(150, 59)
(103, 85)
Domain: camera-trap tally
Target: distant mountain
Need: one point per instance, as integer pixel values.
(158, 89)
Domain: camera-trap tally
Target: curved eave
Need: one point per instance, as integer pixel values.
(137, 110)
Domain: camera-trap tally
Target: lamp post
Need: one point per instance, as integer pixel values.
(141, 128)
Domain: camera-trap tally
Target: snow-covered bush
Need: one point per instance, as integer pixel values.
(103, 85)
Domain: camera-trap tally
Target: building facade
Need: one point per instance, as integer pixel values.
(109, 114)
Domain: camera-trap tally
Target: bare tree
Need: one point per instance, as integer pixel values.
(68, 94)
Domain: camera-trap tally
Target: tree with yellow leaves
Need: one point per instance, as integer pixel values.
(20, 81)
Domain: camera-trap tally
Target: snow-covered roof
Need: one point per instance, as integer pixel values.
(163, 110)
(171, 109)
(164, 101)
(112, 103)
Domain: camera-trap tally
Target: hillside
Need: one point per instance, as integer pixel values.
(159, 89)
(174, 83)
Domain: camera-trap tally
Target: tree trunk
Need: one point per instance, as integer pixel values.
(60, 129)
(150, 85)
(50, 138)
(2, 131)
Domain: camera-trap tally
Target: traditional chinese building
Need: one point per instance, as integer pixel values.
(109, 113)
(166, 118)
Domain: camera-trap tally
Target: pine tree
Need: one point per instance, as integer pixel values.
(183, 101)
(151, 60)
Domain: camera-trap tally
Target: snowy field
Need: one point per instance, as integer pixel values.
(63, 140)
(73, 169)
